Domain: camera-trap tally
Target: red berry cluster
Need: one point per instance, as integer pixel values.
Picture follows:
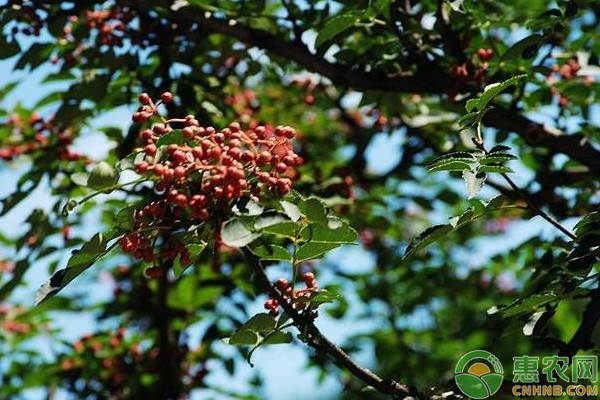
(111, 25)
(120, 359)
(198, 177)
(244, 102)
(36, 134)
(309, 86)
(9, 320)
(297, 297)
(108, 27)
(485, 55)
(567, 71)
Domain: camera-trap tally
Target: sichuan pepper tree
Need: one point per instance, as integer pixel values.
(201, 157)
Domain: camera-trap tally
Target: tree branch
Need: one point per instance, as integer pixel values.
(424, 82)
(320, 342)
(169, 385)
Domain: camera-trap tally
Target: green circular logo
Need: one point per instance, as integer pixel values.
(479, 374)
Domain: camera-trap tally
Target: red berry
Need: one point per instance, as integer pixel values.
(144, 98)
(166, 97)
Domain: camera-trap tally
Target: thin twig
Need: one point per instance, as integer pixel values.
(314, 338)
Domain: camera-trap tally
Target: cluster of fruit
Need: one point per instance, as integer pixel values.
(121, 358)
(38, 134)
(198, 172)
(297, 297)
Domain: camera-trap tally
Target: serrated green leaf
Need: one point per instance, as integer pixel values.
(247, 207)
(80, 178)
(499, 149)
(335, 26)
(454, 156)
(531, 303)
(315, 210)
(499, 169)
(267, 220)
(102, 176)
(491, 91)
(173, 137)
(235, 234)
(262, 322)
(287, 229)
(243, 338)
(277, 337)
(450, 166)
(272, 253)
(474, 182)
(427, 237)
(517, 50)
(291, 210)
(497, 157)
(8, 49)
(321, 232)
(80, 261)
(314, 250)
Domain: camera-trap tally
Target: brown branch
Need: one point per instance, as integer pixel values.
(576, 147)
(321, 343)
(169, 385)
(298, 52)
(531, 204)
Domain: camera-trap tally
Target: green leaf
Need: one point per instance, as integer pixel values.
(247, 207)
(103, 176)
(497, 157)
(267, 220)
(531, 303)
(315, 210)
(335, 26)
(272, 253)
(449, 166)
(259, 323)
(196, 250)
(492, 91)
(332, 232)
(313, 250)
(8, 49)
(499, 149)
(235, 234)
(188, 296)
(518, 49)
(323, 296)
(277, 337)
(80, 261)
(427, 237)
(291, 210)
(80, 178)
(585, 222)
(455, 156)
(286, 229)
(243, 338)
(474, 182)
(499, 169)
(173, 137)
(36, 55)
